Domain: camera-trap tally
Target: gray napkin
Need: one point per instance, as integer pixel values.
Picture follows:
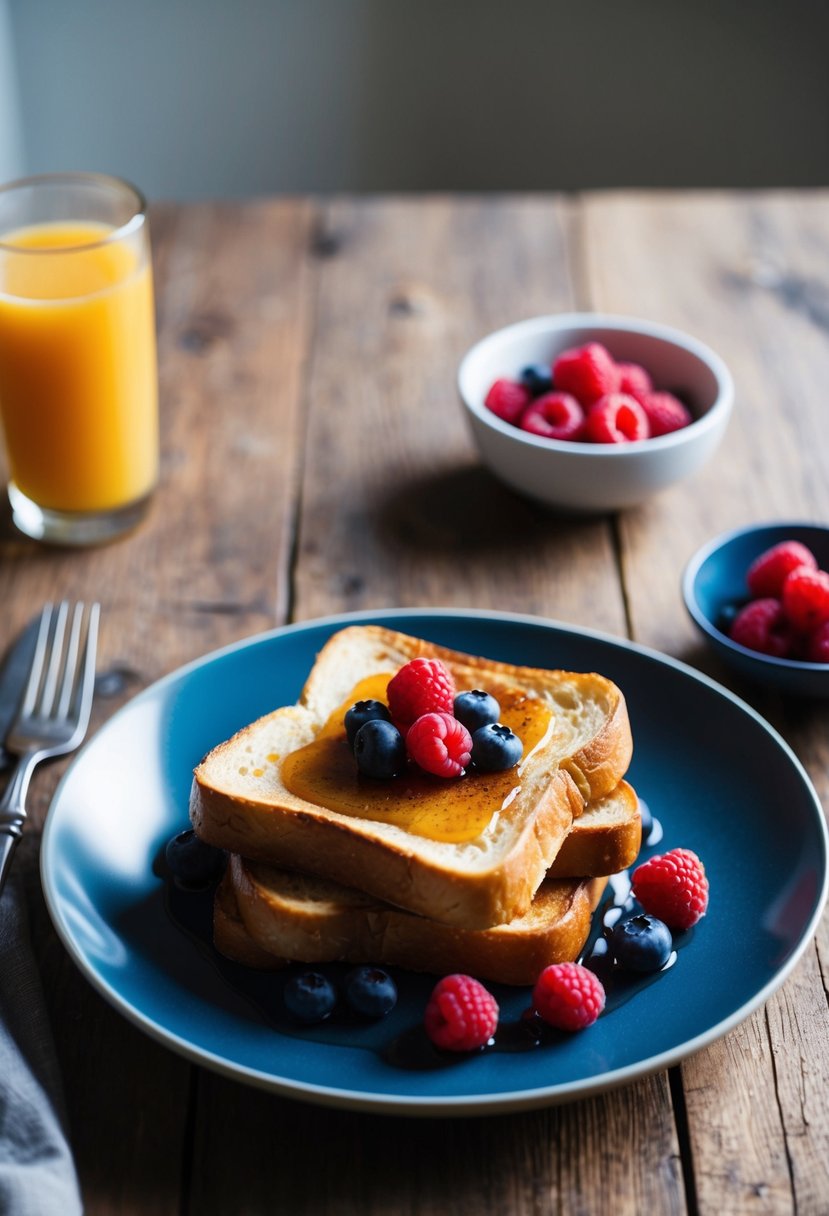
(37, 1175)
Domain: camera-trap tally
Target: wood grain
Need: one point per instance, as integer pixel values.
(315, 460)
(209, 565)
(747, 275)
(396, 511)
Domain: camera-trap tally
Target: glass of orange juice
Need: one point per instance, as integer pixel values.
(78, 374)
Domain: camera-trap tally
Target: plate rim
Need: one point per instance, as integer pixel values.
(432, 1105)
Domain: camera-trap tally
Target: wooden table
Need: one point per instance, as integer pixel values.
(315, 461)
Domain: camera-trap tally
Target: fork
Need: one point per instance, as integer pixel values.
(54, 709)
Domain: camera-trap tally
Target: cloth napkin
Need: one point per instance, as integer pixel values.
(37, 1174)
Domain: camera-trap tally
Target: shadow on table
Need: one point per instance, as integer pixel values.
(466, 508)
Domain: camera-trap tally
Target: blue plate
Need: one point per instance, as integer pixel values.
(715, 774)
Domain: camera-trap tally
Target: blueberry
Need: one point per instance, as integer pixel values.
(538, 378)
(641, 943)
(370, 991)
(380, 749)
(726, 617)
(476, 709)
(192, 862)
(309, 997)
(362, 712)
(495, 747)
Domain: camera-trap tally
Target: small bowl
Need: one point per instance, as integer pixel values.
(715, 579)
(596, 477)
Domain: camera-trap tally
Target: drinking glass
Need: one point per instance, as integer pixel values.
(78, 373)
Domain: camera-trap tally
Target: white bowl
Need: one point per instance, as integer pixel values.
(587, 477)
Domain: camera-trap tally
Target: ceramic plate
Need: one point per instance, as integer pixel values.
(716, 776)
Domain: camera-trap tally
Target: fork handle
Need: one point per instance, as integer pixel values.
(13, 810)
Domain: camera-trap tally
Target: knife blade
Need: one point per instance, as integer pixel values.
(13, 675)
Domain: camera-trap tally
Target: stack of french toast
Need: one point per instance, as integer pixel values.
(491, 874)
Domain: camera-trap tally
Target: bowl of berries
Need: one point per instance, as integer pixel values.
(760, 596)
(590, 413)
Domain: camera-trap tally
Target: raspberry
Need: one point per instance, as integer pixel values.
(508, 400)
(440, 744)
(588, 372)
(616, 418)
(762, 626)
(568, 996)
(673, 887)
(817, 646)
(633, 379)
(665, 413)
(461, 1014)
(422, 686)
(768, 572)
(555, 416)
(806, 598)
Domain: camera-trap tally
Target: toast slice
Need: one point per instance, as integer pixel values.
(605, 839)
(264, 916)
(244, 795)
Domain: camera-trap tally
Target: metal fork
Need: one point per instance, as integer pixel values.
(54, 710)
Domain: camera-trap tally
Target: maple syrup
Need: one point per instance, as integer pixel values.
(324, 772)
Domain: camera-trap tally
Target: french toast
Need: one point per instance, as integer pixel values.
(264, 916)
(313, 920)
(251, 795)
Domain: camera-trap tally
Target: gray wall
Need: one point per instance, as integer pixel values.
(226, 97)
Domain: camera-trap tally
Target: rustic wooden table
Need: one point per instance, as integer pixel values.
(315, 461)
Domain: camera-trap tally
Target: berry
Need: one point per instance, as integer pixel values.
(616, 418)
(440, 744)
(423, 686)
(767, 573)
(762, 626)
(641, 943)
(554, 416)
(817, 645)
(507, 400)
(726, 617)
(673, 887)
(633, 379)
(192, 862)
(806, 598)
(476, 708)
(537, 378)
(461, 1014)
(495, 748)
(309, 997)
(380, 750)
(588, 372)
(568, 996)
(665, 413)
(362, 712)
(370, 991)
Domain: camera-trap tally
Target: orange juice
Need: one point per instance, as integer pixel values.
(78, 384)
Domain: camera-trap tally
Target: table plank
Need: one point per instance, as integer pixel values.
(747, 275)
(577, 1159)
(403, 289)
(209, 565)
(396, 509)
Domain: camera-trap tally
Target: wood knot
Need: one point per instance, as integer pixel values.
(325, 242)
(204, 331)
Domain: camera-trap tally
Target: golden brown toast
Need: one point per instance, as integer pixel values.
(241, 799)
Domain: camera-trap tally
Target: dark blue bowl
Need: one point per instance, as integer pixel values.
(715, 580)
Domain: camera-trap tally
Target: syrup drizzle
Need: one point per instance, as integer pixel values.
(191, 911)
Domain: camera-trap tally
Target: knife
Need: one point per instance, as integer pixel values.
(13, 676)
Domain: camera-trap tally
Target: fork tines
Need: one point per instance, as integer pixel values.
(63, 665)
